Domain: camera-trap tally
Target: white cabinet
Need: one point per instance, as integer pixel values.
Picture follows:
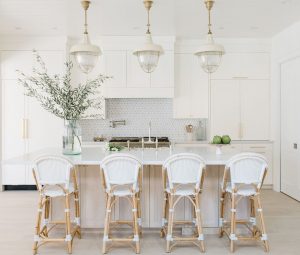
(225, 108)
(191, 88)
(136, 78)
(130, 81)
(266, 149)
(240, 108)
(255, 100)
(250, 65)
(26, 127)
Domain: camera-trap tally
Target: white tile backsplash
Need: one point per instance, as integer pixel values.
(137, 113)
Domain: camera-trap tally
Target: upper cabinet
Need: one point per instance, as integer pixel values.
(240, 109)
(191, 88)
(128, 79)
(244, 65)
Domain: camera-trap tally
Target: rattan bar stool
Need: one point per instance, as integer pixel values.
(121, 178)
(183, 176)
(55, 177)
(247, 172)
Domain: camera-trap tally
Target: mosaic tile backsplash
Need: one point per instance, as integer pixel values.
(137, 113)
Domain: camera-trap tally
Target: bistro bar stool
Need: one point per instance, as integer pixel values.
(55, 177)
(183, 176)
(247, 172)
(121, 178)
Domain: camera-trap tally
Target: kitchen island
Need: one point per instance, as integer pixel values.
(92, 194)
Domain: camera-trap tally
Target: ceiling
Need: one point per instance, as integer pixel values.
(183, 18)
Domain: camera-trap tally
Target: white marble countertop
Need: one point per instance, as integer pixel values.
(94, 155)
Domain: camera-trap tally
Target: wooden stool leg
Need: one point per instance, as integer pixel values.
(136, 238)
(164, 217)
(253, 216)
(233, 222)
(199, 223)
(170, 221)
(68, 223)
(264, 237)
(38, 225)
(77, 213)
(222, 209)
(46, 216)
(139, 213)
(107, 222)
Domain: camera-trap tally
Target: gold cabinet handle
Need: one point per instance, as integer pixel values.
(257, 147)
(25, 129)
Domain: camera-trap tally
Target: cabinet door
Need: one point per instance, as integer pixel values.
(191, 88)
(44, 129)
(15, 60)
(229, 67)
(244, 65)
(181, 101)
(225, 108)
(267, 151)
(199, 94)
(136, 77)
(254, 65)
(13, 114)
(255, 102)
(115, 66)
(14, 175)
(162, 77)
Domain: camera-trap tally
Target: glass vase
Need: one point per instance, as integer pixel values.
(72, 138)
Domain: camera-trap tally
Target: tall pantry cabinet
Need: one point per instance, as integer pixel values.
(26, 126)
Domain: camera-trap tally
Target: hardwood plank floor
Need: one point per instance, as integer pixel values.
(18, 211)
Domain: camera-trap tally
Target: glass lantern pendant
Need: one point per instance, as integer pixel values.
(210, 54)
(86, 54)
(148, 54)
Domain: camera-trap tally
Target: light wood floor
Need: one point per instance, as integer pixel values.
(18, 209)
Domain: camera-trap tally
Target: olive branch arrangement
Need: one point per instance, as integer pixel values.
(57, 95)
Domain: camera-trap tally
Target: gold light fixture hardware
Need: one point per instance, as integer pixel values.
(85, 5)
(209, 5)
(148, 4)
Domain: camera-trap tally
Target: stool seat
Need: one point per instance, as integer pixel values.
(56, 191)
(245, 190)
(182, 191)
(123, 191)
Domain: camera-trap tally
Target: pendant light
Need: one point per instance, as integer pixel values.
(148, 54)
(85, 53)
(210, 53)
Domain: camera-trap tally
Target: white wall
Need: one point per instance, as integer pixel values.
(285, 46)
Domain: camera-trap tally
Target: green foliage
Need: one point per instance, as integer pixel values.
(115, 147)
(57, 95)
